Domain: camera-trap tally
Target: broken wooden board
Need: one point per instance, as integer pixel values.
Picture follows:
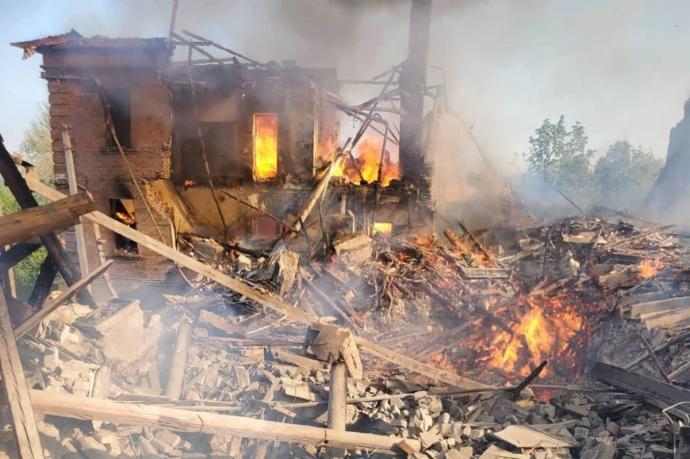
(270, 301)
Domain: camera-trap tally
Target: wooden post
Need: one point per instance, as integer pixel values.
(16, 390)
(179, 362)
(72, 184)
(337, 404)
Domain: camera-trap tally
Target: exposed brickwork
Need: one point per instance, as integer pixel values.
(76, 102)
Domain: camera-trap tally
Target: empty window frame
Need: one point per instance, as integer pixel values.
(120, 101)
(265, 143)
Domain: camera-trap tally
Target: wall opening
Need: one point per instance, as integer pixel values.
(122, 210)
(120, 101)
(265, 141)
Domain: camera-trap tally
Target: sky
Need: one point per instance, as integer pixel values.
(620, 67)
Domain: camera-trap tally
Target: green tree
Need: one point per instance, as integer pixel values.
(560, 157)
(625, 174)
(37, 147)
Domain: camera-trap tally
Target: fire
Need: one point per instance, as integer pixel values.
(385, 228)
(125, 218)
(650, 268)
(543, 332)
(265, 146)
(367, 158)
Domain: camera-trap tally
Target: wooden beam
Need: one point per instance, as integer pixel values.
(17, 185)
(16, 390)
(39, 221)
(15, 254)
(268, 300)
(78, 407)
(45, 279)
(34, 320)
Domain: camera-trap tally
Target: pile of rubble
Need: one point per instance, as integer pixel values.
(518, 308)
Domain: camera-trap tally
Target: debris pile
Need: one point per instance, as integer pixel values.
(491, 305)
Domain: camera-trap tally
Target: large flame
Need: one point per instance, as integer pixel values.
(367, 158)
(265, 146)
(543, 332)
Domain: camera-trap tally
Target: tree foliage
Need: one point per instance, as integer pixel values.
(559, 156)
(625, 173)
(36, 147)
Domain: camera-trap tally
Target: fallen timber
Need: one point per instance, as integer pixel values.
(77, 407)
(39, 221)
(670, 397)
(270, 301)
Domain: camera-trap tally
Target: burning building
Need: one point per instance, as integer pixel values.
(228, 148)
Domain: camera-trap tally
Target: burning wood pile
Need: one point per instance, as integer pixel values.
(492, 305)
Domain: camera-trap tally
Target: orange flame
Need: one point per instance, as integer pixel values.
(265, 146)
(650, 268)
(367, 159)
(125, 218)
(543, 332)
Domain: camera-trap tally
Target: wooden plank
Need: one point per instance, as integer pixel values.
(659, 305)
(270, 301)
(16, 390)
(39, 221)
(78, 407)
(72, 184)
(34, 320)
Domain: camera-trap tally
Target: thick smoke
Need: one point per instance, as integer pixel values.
(613, 65)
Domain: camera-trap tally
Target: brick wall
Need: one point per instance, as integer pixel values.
(74, 101)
